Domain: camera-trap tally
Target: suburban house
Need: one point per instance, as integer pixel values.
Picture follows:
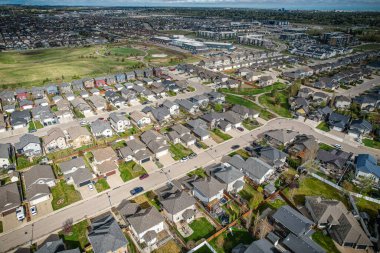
(245, 112)
(135, 150)
(341, 224)
(254, 168)
(187, 106)
(199, 128)
(9, 199)
(98, 103)
(156, 142)
(119, 122)
(6, 153)
(81, 106)
(55, 246)
(178, 205)
(338, 122)
(160, 114)
(76, 172)
(303, 147)
(146, 224)
(273, 156)
(333, 162)
(44, 115)
(140, 118)
(280, 137)
(171, 106)
(366, 166)
(29, 145)
(19, 119)
(359, 128)
(265, 81)
(38, 180)
(26, 104)
(101, 128)
(105, 235)
(216, 97)
(78, 136)
(183, 133)
(54, 140)
(104, 161)
(230, 176)
(208, 190)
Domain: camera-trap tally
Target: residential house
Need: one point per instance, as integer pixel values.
(76, 172)
(216, 97)
(187, 106)
(80, 105)
(41, 102)
(98, 103)
(338, 122)
(88, 83)
(135, 150)
(37, 92)
(106, 236)
(54, 140)
(184, 134)
(245, 112)
(256, 169)
(100, 81)
(366, 167)
(65, 88)
(171, 106)
(115, 99)
(342, 102)
(230, 176)
(304, 147)
(280, 137)
(341, 224)
(130, 76)
(9, 108)
(359, 128)
(110, 80)
(77, 85)
(155, 142)
(29, 145)
(69, 96)
(9, 199)
(44, 115)
(146, 224)
(38, 180)
(140, 118)
(199, 128)
(7, 97)
(101, 128)
(200, 100)
(104, 161)
(26, 104)
(129, 95)
(333, 162)
(232, 118)
(52, 89)
(208, 190)
(160, 114)
(265, 81)
(367, 102)
(19, 119)
(178, 205)
(273, 156)
(84, 94)
(6, 153)
(78, 136)
(55, 246)
(95, 92)
(120, 78)
(119, 122)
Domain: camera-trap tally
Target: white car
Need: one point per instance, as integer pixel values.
(20, 213)
(91, 187)
(33, 210)
(338, 146)
(184, 159)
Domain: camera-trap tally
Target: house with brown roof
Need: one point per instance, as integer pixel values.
(78, 136)
(304, 147)
(104, 161)
(54, 140)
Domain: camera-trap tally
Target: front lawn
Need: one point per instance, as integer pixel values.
(102, 185)
(203, 145)
(254, 91)
(219, 136)
(371, 143)
(250, 124)
(38, 124)
(325, 242)
(199, 172)
(130, 170)
(171, 246)
(323, 126)
(325, 146)
(236, 100)
(277, 102)
(243, 153)
(64, 195)
(77, 237)
(202, 228)
(226, 241)
(179, 151)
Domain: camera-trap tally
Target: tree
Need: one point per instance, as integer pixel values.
(218, 107)
(366, 184)
(67, 226)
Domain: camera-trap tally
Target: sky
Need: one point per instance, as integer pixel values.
(359, 5)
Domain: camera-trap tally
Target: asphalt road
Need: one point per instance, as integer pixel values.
(103, 201)
(360, 88)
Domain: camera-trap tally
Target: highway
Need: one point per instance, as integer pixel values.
(102, 202)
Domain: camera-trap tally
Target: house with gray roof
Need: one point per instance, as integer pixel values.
(280, 137)
(178, 205)
(184, 134)
(230, 176)
(256, 169)
(29, 145)
(6, 151)
(80, 105)
(161, 114)
(156, 142)
(208, 190)
(146, 224)
(54, 246)
(76, 172)
(366, 166)
(333, 161)
(9, 198)
(187, 105)
(54, 140)
(44, 115)
(127, 208)
(171, 106)
(98, 103)
(140, 118)
(340, 223)
(119, 122)
(301, 244)
(101, 128)
(273, 156)
(359, 128)
(38, 180)
(135, 150)
(199, 128)
(304, 147)
(19, 119)
(106, 236)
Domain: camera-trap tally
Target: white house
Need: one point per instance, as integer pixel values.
(208, 190)
(119, 122)
(101, 128)
(230, 176)
(140, 118)
(178, 206)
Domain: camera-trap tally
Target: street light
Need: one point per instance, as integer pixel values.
(109, 199)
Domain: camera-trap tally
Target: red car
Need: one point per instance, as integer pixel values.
(143, 176)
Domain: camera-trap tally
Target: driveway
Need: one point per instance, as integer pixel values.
(210, 142)
(167, 160)
(236, 133)
(86, 193)
(115, 180)
(10, 222)
(149, 166)
(43, 209)
(196, 149)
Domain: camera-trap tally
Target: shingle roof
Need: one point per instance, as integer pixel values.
(177, 202)
(26, 139)
(367, 163)
(145, 219)
(302, 244)
(292, 220)
(209, 187)
(9, 197)
(227, 174)
(52, 247)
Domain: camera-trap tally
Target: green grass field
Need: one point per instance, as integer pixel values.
(371, 143)
(102, 185)
(128, 170)
(325, 241)
(281, 107)
(202, 229)
(323, 126)
(64, 195)
(254, 91)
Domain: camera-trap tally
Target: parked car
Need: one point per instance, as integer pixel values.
(32, 131)
(101, 118)
(143, 176)
(20, 213)
(198, 145)
(136, 190)
(33, 210)
(235, 147)
(184, 159)
(192, 155)
(91, 187)
(240, 129)
(338, 146)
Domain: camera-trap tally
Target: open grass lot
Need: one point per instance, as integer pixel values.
(253, 91)
(179, 151)
(77, 237)
(371, 143)
(64, 195)
(202, 229)
(236, 100)
(323, 126)
(367, 47)
(130, 170)
(313, 187)
(171, 246)
(325, 241)
(277, 102)
(102, 185)
(172, 57)
(226, 241)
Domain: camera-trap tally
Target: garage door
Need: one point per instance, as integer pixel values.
(84, 183)
(110, 173)
(145, 160)
(39, 200)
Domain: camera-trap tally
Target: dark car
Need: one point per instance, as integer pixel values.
(101, 118)
(198, 145)
(235, 146)
(240, 129)
(137, 190)
(143, 176)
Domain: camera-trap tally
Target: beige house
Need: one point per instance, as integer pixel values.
(104, 161)
(54, 140)
(79, 136)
